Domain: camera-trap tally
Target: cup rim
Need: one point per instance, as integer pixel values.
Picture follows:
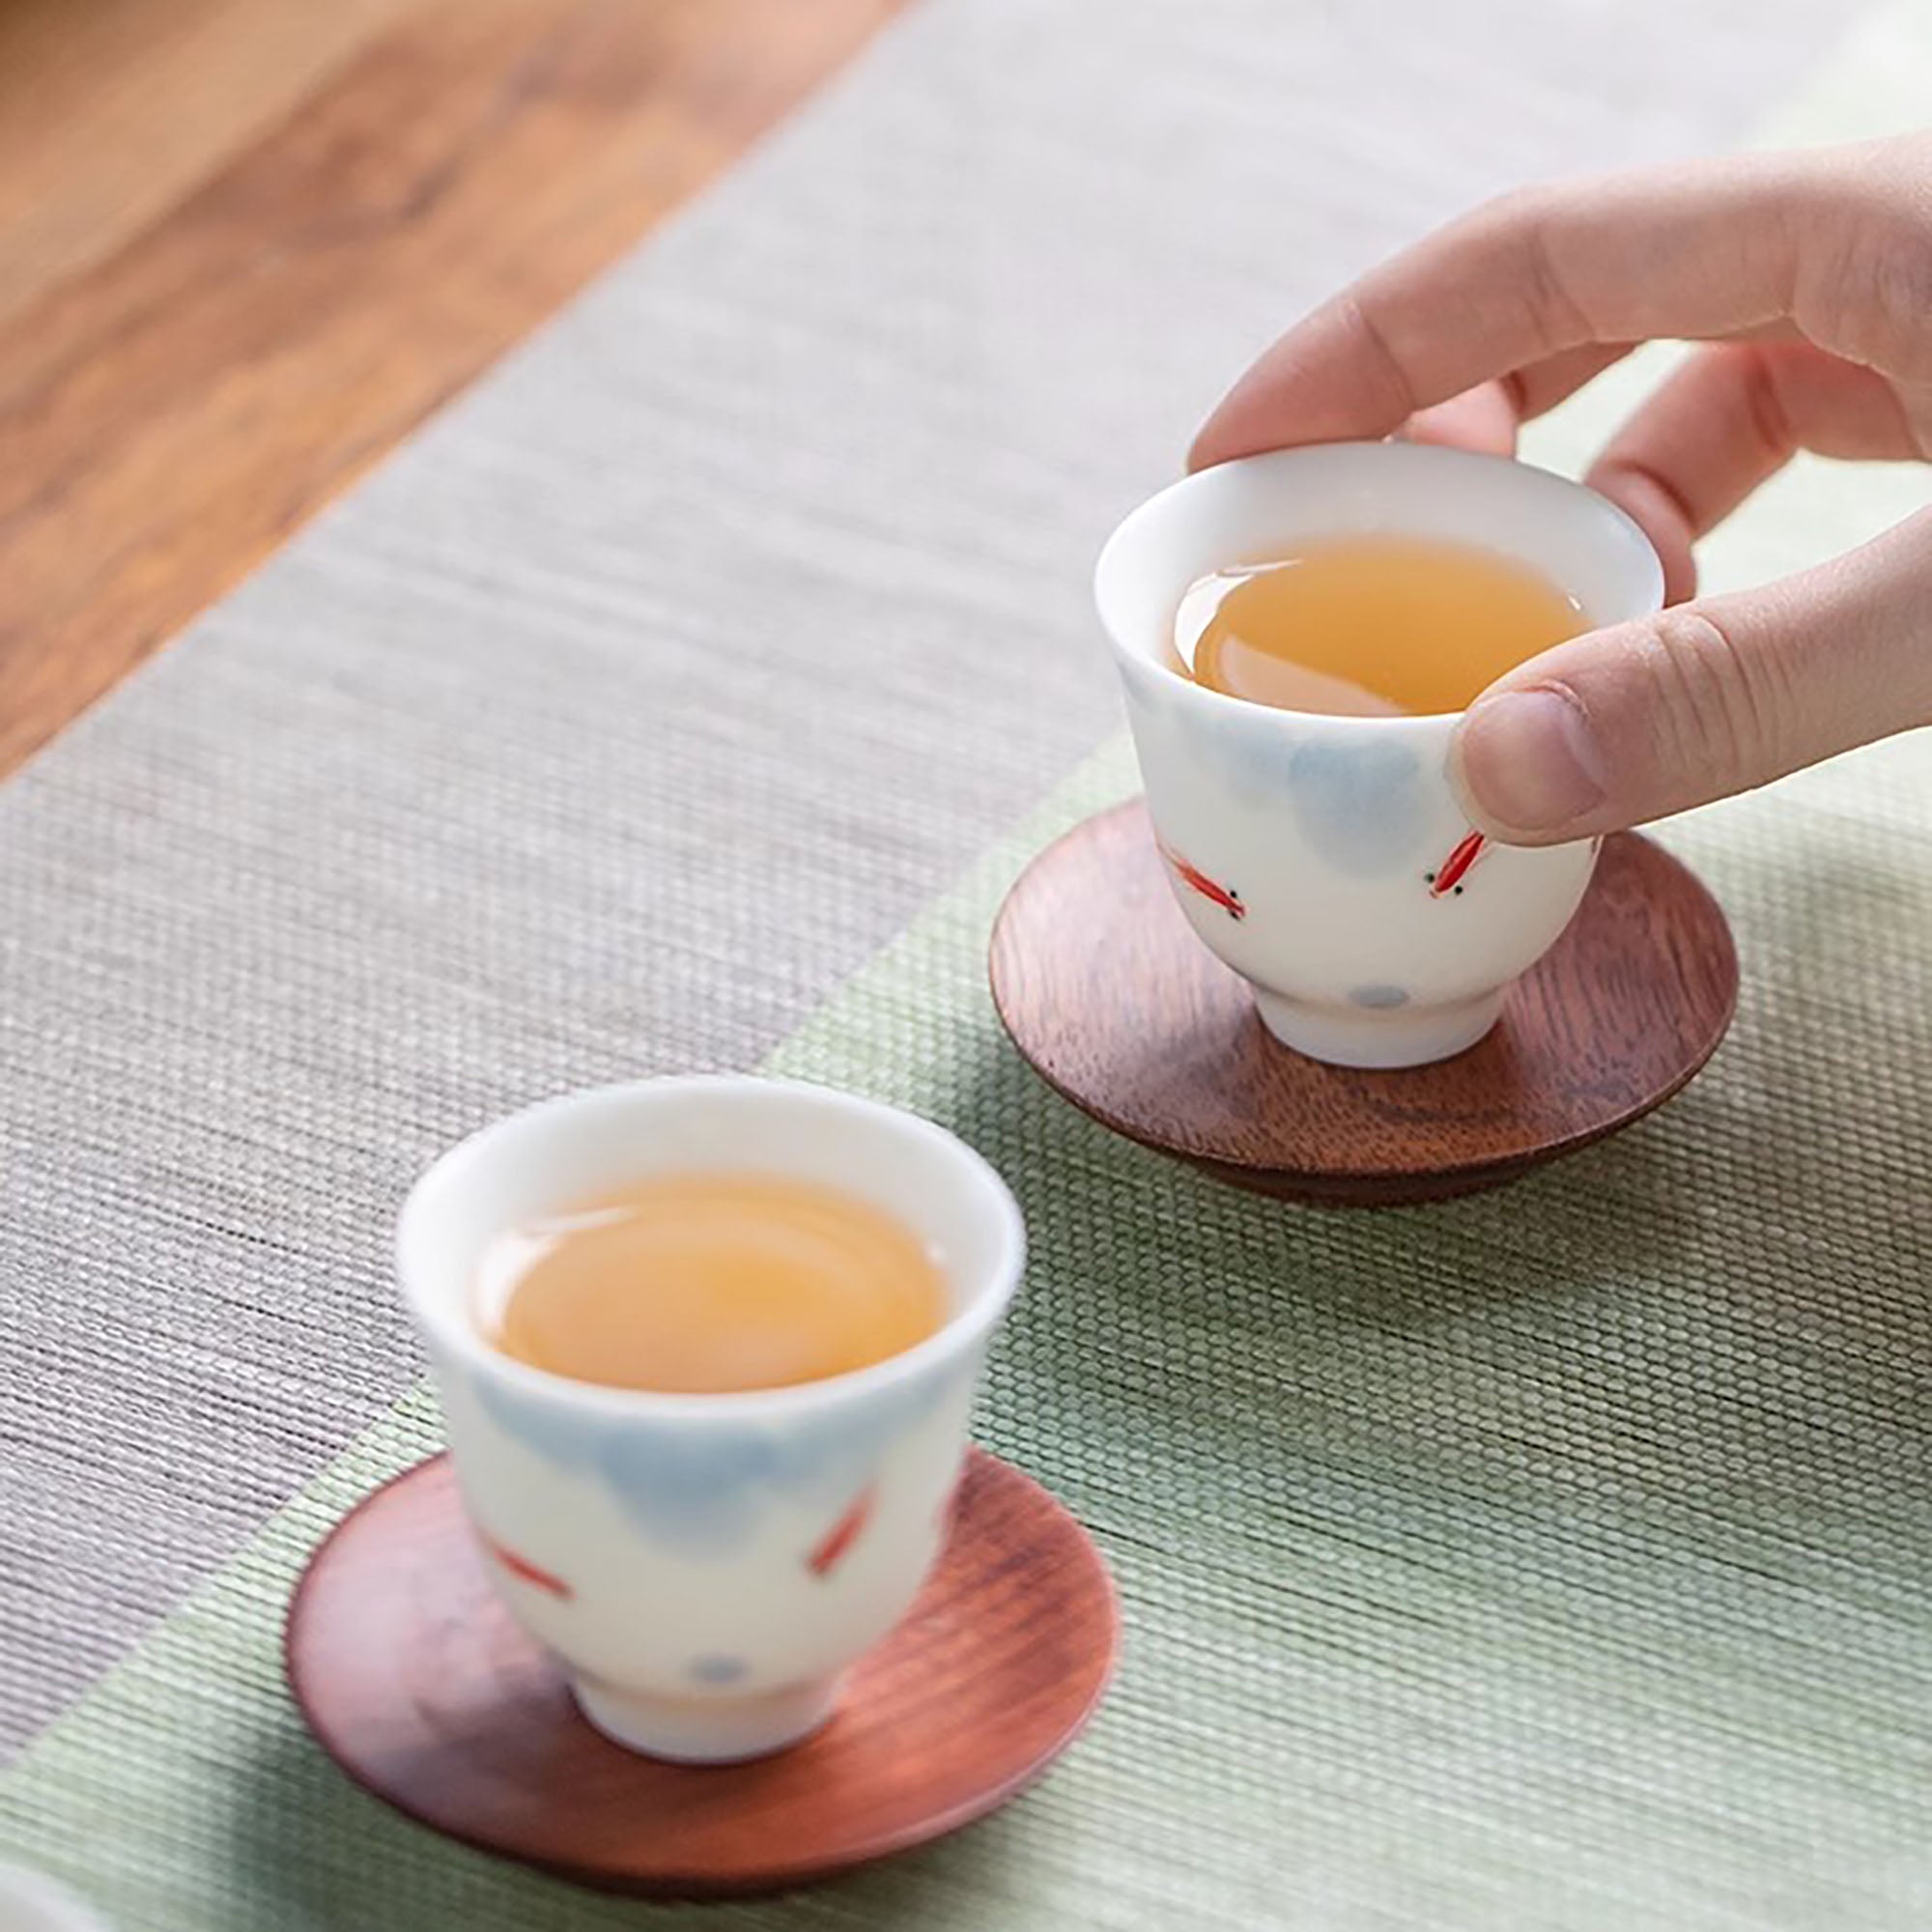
(447, 1329)
(1307, 455)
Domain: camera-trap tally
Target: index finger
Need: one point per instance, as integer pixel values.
(1701, 250)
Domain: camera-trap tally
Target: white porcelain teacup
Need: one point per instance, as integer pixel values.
(706, 1566)
(1326, 858)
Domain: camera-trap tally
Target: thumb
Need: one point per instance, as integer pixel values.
(1705, 699)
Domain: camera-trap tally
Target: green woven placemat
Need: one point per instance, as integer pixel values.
(1559, 1558)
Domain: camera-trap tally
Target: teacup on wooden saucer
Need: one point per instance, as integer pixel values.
(1112, 999)
(423, 1688)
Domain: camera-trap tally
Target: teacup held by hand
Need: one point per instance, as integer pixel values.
(1326, 858)
(1308, 881)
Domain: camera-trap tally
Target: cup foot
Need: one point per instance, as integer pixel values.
(706, 1730)
(1379, 1039)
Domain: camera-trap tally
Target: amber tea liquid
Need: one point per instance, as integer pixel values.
(708, 1284)
(1371, 626)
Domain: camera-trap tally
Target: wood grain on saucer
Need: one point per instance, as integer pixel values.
(417, 1683)
(1114, 1003)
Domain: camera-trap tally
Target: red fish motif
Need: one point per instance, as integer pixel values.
(1224, 896)
(523, 1568)
(839, 1540)
(1448, 878)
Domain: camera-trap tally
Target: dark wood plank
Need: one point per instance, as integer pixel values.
(113, 110)
(1119, 1006)
(176, 411)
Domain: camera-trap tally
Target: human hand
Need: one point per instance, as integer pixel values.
(1807, 277)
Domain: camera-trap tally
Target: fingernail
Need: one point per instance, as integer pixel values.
(1529, 761)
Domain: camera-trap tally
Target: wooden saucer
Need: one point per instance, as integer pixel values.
(417, 1684)
(1119, 1006)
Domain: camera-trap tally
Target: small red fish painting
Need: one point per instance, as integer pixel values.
(839, 1540)
(526, 1572)
(1448, 878)
(1191, 876)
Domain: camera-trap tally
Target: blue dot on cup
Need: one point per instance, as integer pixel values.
(1379, 999)
(718, 1668)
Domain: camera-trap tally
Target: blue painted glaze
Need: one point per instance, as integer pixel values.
(700, 1489)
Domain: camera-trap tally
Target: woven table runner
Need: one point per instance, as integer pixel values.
(686, 696)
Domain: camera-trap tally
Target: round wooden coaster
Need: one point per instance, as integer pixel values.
(417, 1682)
(1118, 1005)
